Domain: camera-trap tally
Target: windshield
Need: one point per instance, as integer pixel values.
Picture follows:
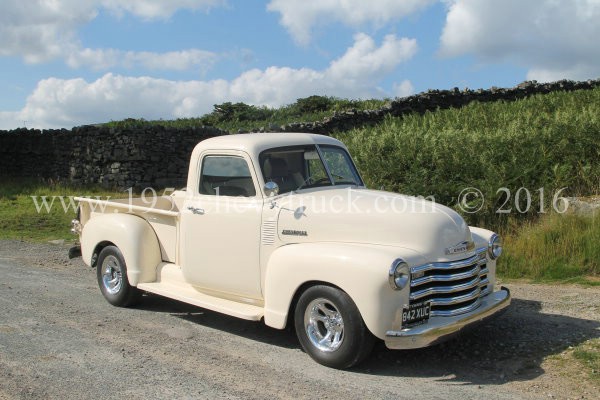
(300, 167)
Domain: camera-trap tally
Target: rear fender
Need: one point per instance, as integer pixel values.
(132, 235)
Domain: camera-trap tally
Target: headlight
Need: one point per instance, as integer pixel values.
(495, 246)
(399, 274)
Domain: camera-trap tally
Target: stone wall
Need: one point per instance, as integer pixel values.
(139, 157)
(158, 156)
(431, 100)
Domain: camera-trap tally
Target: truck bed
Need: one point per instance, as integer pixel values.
(162, 213)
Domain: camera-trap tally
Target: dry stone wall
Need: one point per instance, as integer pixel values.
(154, 156)
(158, 156)
(431, 100)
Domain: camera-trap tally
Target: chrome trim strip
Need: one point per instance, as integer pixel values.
(441, 329)
(447, 278)
(446, 289)
(479, 258)
(456, 300)
(486, 291)
(462, 310)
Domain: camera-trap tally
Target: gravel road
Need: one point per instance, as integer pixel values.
(60, 339)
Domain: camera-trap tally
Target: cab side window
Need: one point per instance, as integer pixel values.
(226, 176)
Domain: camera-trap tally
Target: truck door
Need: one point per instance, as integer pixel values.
(220, 227)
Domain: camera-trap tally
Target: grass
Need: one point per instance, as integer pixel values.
(588, 355)
(23, 215)
(580, 364)
(523, 156)
(556, 248)
(546, 142)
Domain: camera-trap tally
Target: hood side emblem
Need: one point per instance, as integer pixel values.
(291, 232)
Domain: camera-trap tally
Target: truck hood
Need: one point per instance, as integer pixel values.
(356, 215)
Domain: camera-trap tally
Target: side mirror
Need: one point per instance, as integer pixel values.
(271, 189)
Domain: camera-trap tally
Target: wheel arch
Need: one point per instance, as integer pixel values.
(96, 252)
(361, 271)
(132, 235)
(299, 291)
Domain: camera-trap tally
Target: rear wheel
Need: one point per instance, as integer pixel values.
(330, 328)
(112, 278)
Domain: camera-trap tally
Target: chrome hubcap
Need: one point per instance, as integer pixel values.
(324, 325)
(112, 275)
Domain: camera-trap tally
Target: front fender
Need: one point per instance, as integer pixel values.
(359, 270)
(132, 235)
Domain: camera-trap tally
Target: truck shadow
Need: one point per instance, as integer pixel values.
(508, 348)
(256, 331)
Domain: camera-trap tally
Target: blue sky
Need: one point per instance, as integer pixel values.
(73, 62)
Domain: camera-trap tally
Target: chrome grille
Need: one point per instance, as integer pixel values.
(454, 287)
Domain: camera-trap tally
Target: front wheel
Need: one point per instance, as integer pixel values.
(112, 278)
(330, 328)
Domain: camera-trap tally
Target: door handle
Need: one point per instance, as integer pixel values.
(195, 210)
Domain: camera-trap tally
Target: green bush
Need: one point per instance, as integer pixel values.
(547, 141)
(240, 116)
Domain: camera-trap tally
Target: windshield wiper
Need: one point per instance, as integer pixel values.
(309, 179)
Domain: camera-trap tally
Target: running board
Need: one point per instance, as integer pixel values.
(172, 285)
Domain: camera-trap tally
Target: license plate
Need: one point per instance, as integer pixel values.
(415, 314)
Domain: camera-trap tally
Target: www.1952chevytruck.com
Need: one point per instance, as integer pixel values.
(280, 227)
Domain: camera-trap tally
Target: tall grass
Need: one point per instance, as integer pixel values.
(547, 141)
(557, 247)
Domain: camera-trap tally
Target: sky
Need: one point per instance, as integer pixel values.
(67, 63)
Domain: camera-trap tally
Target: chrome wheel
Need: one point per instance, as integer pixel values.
(324, 325)
(112, 274)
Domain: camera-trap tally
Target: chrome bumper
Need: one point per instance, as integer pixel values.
(440, 329)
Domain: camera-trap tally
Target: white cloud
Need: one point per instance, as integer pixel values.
(161, 9)
(65, 103)
(553, 39)
(42, 30)
(299, 17)
(101, 59)
(403, 89)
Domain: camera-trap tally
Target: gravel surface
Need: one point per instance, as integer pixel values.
(60, 339)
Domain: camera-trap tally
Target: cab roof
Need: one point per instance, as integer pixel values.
(254, 143)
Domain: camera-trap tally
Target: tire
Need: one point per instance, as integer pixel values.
(112, 278)
(330, 328)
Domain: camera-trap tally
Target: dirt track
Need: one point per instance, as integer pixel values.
(60, 339)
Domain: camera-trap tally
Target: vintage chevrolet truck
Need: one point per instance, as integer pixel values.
(280, 227)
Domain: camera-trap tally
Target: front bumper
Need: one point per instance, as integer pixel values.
(440, 329)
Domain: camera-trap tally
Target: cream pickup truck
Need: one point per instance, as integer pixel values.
(280, 227)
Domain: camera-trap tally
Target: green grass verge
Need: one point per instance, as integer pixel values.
(24, 216)
(556, 248)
